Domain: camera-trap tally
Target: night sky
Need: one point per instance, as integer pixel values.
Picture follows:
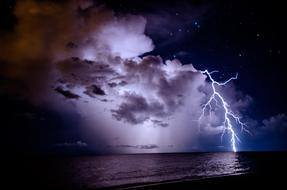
(127, 99)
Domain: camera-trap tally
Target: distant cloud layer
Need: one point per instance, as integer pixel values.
(149, 146)
(275, 125)
(72, 144)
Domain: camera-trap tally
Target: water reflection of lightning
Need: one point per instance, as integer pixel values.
(229, 116)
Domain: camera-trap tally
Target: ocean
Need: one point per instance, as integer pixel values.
(117, 171)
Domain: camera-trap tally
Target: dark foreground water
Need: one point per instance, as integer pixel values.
(114, 171)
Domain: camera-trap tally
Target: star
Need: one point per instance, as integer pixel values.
(270, 51)
(196, 24)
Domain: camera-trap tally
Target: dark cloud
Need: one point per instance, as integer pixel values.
(168, 82)
(137, 110)
(76, 71)
(160, 123)
(67, 93)
(94, 90)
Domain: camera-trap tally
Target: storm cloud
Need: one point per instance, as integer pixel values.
(80, 54)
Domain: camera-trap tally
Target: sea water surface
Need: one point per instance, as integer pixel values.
(117, 171)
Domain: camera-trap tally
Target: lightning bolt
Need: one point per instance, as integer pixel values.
(229, 116)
